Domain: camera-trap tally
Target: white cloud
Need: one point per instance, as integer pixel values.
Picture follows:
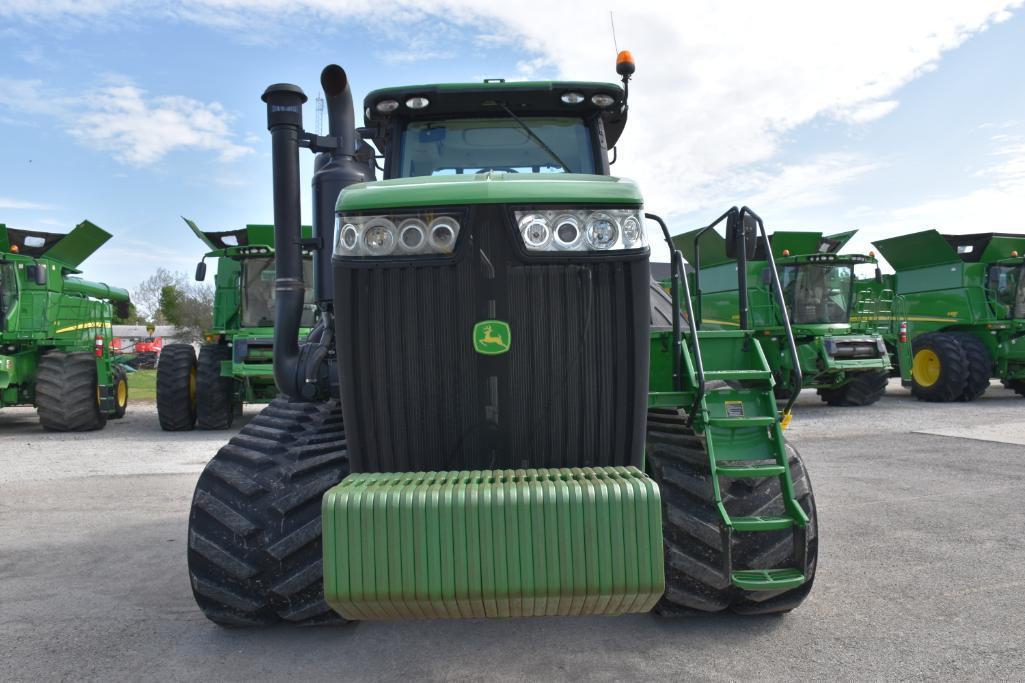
(122, 119)
(718, 88)
(9, 203)
(140, 130)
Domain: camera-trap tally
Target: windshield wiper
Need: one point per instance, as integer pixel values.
(535, 138)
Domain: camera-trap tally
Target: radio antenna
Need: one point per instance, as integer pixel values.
(612, 20)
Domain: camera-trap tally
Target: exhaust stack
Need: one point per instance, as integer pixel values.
(285, 122)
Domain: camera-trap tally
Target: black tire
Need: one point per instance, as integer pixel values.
(176, 388)
(254, 528)
(1017, 386)
(120, 393)
(950, 383)
(863, 389)
(696, 580)
(67, 399)
(214, 394)
(980, 365)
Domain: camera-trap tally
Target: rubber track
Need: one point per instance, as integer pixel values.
(213, 392)
(864, 389)
(695, 578)
(980, 365)
(66, 392)
(953, 368)
(255, 525)
(175, 409)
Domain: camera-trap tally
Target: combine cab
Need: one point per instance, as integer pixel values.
(958, 315)
(839, 353)
(55, 330)
(498, 412)
(235, 365)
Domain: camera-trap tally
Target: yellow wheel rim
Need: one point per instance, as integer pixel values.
(925, 369)
(192, 385)
(122, 393)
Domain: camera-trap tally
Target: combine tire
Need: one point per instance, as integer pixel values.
(176, 388)
(254, 529)
(214, 393)
(980, 365)
(863, 389)
(66, 392)
(939, 368)
(696, 581)
(120, 393)
(1017, 386)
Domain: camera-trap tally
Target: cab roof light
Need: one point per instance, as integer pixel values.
(572, 98)
(417, 102)
(387, 106)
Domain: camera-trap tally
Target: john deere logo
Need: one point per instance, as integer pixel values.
(491, 337)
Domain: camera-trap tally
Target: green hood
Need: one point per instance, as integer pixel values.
(489, 188)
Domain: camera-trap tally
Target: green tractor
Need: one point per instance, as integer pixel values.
(235, 364)
(958, 312)
(55, 330)
(498, 412)
(840, 355)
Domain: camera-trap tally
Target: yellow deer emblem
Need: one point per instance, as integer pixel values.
(488, 338)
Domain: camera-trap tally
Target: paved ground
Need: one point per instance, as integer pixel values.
(920, 570)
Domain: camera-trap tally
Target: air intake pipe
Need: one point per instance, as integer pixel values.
(285, 122)
(333, 171)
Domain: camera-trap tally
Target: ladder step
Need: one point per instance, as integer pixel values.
(738, 374)
(749, 471)
(767, 579)
(762, 523)
(741, 422)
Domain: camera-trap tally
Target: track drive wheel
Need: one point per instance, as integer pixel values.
(696, 580)
(980, 365)
(67, 394)
(214, 393)
(939, 368)
(120, 392)
(255, 555)
(176, 388)
(863, 389)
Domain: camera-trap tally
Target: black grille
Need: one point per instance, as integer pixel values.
(571, 392)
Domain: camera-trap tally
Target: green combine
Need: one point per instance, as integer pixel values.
(839, 354)
(498, 412)
(957, 316)
(235, 364)
(55, 330)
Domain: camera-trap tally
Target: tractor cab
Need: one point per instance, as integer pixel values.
(495, 126)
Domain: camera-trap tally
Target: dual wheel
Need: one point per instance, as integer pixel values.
(191, 391)
(949, 366)
(68, 392)
(255, 548)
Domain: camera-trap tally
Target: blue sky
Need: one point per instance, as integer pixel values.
(818, 115)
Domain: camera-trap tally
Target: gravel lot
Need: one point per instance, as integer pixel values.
(922, 512)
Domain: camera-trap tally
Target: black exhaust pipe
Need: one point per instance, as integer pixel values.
(285, 122)
(333, 171)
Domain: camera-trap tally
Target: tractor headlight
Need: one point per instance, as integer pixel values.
(419, 234)
(581, 230)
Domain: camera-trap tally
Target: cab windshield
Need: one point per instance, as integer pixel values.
(1008, 286)
(457, 146)
(8, 292)
(818, 293)
(258, 293)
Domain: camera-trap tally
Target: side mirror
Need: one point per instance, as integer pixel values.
(38, 273)
(122, 309)
(879, 275)
(200, 271)
(738, 229)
